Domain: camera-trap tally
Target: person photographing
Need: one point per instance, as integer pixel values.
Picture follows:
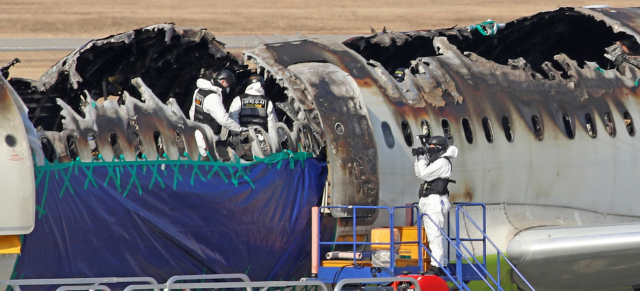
(433, 165)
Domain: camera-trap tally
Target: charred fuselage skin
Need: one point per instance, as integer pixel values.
(544, 144)
(546, 134)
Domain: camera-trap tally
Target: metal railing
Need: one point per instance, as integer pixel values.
(15, 284)
(485, 238)
(175, 279)
(457, 277)
(356, 243)
(264, 285)
(84, 287)
(412, 280)
(461, 285)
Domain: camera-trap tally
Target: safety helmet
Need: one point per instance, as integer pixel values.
(208, 75)
(255, 78)
(399, 74)
(440, 146)
(228, 76)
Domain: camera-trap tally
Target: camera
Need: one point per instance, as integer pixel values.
(420, 151)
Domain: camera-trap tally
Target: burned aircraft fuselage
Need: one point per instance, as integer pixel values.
(543, 111)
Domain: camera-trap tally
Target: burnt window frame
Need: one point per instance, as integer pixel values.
(447, 133)
(610, 127)
(138, 146)
(631, 129)
(387, 134)
(569, 129)
(160, 144)
(115, 147)
(48, 149)
(74, 152)
(589, 121)
(507, 134)
(488, 129)
(181, 145)
(539, 134)
(96, 153)
(424, 123)
(407, 134)
(468, 130)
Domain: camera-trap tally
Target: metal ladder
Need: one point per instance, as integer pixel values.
(468, 267)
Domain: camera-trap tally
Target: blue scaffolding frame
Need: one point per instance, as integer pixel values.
(464, 270)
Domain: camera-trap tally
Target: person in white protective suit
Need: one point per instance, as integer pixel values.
(253, 108)
(207, 106)
(435, 169)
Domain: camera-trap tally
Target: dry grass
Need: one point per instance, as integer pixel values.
(90, 18)
(33, 63)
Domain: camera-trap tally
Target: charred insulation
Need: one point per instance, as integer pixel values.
(532, 40)
(168, 59)
(397, 50)
(537, 39)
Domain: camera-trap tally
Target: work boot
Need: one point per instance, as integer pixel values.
(437, 271)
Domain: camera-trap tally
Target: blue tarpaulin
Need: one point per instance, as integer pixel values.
(131, 219)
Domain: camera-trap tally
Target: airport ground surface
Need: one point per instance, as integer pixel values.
(97, 19)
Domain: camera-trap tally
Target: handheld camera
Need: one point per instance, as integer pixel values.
(420, 151)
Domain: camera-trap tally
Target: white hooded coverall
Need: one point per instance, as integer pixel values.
(436, 206)
(253, 89)
(236, 107)
(213, 105)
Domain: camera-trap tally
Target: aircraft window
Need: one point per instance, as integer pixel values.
(628, 122)
(284, 138)
(95, 151)
(506, 125)
(48, 149)
(609, 125)
(11, 140)
(591, 126)
(468, 134)
(446, 130)
(488, 132)
(180, 142)
(426, 129)
(304, 135)
(537, 127)
(406, 133)
(159, 144)
(72, 147)
(339, 128)
(568, 126)
(388, 136)
(115, 145)
(137, 145)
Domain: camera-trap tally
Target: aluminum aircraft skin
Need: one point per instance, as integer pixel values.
(542, 110)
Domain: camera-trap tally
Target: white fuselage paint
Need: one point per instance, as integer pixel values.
(558, 177)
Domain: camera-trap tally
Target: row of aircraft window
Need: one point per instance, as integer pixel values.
(589, 123)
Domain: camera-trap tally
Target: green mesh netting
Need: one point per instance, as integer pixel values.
(202, 170)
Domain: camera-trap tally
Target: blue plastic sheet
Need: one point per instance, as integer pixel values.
(210, 227)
